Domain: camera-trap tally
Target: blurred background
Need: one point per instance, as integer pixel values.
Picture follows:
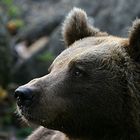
(30, 39)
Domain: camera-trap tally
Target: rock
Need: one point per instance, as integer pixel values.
(115, 16)
(42, 28)
(111, 15)
(37, 64)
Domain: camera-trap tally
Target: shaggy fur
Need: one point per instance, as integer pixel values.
(134, 40)
(76, 27)
(92, 91)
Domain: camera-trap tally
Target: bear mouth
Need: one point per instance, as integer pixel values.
(34, 120)
(26, 116)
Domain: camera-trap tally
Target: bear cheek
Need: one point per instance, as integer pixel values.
(49, 108)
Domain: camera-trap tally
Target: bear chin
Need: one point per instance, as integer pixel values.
(28, 118)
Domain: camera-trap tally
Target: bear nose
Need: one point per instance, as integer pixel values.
(23, 96)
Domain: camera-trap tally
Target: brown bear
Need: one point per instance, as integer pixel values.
(92, 91)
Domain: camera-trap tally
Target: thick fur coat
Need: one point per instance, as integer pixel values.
(92, 91)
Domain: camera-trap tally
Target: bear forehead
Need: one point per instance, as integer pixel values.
(92, 48)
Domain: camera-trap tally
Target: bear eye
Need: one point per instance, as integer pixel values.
(78, 72)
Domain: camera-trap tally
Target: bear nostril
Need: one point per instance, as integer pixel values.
(23, 95)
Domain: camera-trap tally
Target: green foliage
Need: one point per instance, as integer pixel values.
(7, 2)
(7, 119)
(47, 56)
(3, 94)
(17, 22)
(11, 15)
(11, 10)
(23, 132)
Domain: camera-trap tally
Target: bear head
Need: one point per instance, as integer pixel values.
(92, 88)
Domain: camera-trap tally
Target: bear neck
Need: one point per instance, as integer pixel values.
(121, 132)
(111, 136)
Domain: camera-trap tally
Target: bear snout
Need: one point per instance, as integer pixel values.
(24, 96)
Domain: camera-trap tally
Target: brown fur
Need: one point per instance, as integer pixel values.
(76, 27)
(134, 40)
(92, 91)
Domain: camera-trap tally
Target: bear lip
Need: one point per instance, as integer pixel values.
(24, 112)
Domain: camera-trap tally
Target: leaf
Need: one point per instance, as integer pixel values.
(3, 93)
(7, 2)
(17, 23)
(13, 11)
(47, 57)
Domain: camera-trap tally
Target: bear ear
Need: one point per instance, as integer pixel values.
(134, 40)
(76, 26)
